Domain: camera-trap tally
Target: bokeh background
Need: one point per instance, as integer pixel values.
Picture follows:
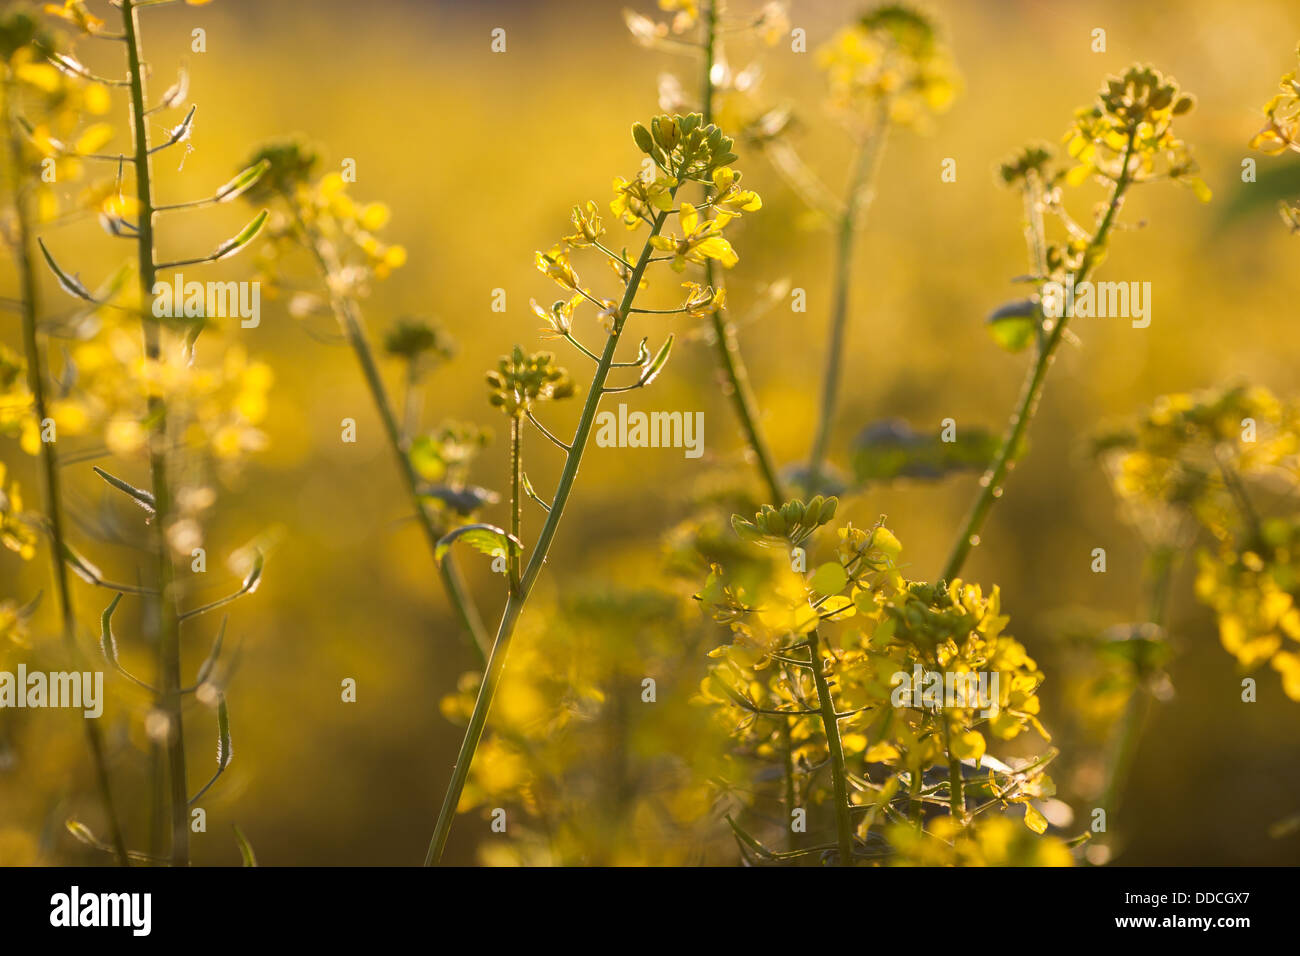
(480, 155)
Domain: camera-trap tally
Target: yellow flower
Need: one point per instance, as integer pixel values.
(15, 533)
(587, 222)
(701, 240)
(556, 265)
(75, 12)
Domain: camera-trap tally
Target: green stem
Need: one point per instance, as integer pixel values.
(519, 597)
(516, 493)
(861, 188)
(956, 784)
(1032, 391)
(49, 460)
(839, 775)
(787, 771)
(169, 621)
(348, 314)
(725, 342)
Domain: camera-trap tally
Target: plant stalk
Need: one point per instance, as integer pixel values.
(839, 775)
(1032, 391)
(516, 494)
(730, 362)
(29, 305)
(861, 189)
(168, 617)
(519, 597)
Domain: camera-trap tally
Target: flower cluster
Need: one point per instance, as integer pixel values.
(521, 380)
(322, 213)
(1199, 463)
(870, 624)
(1282, 127)
(15, 532)
(891, 58)
(683, 149)
(1281, 132)
(1129, 132)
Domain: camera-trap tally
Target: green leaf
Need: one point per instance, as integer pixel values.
(80, 566)
(426, 458)
(1015, 324)
(205, 669)
(25, 612)
(141, 497)
(224, 753)
(245, 181)
(893, 449)
(254, 576)
(246, 235)
(656, 364)
(486, 538)
(745, 529)
(245, 848)
(106, 642)
(70, 284)
(884, 631)
(82, 833)
(830, 578)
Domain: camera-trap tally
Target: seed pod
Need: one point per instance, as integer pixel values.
(641, 135)
(813, 513)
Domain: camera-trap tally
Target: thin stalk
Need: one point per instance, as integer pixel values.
(519, 596)
(914, 797)
(348, 314)
(839, 776)
(956, 785)
(1032, 391)
(169, 657)
(516, 493)
(725, 342)
(861, 189)
(29, 306)
(787, 773)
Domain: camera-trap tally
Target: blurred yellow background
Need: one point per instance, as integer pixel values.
(480, 155)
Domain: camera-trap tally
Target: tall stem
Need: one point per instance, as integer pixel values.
(730, 361)
(1032, 391)
(541, 548)
(861, 188)
(839, 775)
(348, 314)
(29, 305)
(169, 656)
(516, 492)
(956, 784)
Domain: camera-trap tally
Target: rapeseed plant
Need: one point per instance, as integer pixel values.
(682, 149)
(187, 420)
